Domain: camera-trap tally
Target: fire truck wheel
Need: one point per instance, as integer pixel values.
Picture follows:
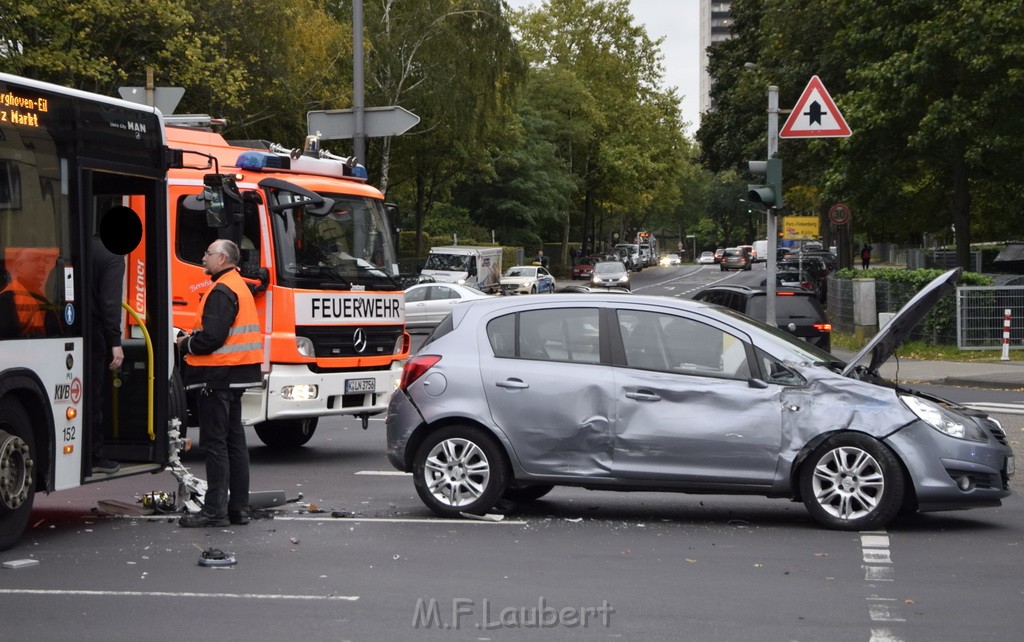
(286, 433)
(17, 465)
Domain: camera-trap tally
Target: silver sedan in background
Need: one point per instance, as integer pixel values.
(426, 304)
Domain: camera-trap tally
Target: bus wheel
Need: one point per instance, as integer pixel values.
(286, 433)
(17, 463)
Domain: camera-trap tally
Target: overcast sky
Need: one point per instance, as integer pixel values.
(677, 21)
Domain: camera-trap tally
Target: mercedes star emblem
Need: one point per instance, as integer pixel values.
(359, 340)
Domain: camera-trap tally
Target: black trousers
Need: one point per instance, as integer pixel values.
(227, 456)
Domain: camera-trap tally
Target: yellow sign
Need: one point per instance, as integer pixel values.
(800, 228)
(20, 110)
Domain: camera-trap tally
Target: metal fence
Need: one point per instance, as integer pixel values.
(980, 311)
(976, 322)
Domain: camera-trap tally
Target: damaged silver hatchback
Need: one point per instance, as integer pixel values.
(512, 396)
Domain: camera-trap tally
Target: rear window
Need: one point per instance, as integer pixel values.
(786, 307)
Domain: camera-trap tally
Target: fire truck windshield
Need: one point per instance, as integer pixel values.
(348, 246)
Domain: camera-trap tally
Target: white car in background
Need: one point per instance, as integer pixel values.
(527, 279)
(707, 257)
(427, 304)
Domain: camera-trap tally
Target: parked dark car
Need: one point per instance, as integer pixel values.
(787, 278)
(816, 268)
(797, 311)
(736, 258)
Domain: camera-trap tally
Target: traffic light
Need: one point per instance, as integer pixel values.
(769, 194)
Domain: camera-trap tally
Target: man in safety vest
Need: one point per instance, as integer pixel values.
(224, 353)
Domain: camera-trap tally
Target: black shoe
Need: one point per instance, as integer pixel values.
(108, 466)
(239, 517)
(199, 520)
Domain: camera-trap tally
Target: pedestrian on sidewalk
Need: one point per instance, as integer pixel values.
(865, 256)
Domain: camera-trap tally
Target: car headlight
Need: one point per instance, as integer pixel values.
(943, 420)
(624, 279)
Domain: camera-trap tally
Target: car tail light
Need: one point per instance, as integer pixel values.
(823, 327)
(783, 294)
(416, 367)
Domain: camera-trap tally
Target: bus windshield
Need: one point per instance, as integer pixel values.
(348, 246)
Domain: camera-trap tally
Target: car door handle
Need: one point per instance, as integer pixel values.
(643, 396)
(513, 384)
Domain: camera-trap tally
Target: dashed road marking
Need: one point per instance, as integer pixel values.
(878, 568)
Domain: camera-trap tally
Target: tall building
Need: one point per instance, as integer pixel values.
(715, 26)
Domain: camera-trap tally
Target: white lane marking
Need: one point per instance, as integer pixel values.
(878, 568)
(998, 408)
(383, 473)
(238, 596)
(395, 520)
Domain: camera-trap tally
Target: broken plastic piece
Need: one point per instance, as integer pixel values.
(216, 557)
(489, 517)
(20, 563)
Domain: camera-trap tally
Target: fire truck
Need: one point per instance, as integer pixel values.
(317, 248)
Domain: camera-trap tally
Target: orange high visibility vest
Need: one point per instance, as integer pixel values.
(31, 309)
(244, 344)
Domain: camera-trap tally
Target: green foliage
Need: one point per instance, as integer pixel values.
(925, 86)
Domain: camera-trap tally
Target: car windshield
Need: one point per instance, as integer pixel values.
(521, 271)
(447, 262)
(349, 245)
(609, 268)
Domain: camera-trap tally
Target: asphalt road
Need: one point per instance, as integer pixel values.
(577, 564)
(636, 566)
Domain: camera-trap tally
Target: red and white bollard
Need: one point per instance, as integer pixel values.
(1006, 335)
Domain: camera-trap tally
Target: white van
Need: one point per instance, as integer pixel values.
(478, 267)
(760, 251)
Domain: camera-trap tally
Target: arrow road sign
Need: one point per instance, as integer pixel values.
(815, 115)
(377, 121)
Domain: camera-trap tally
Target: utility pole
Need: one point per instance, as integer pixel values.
(773, 148)
(358, 106)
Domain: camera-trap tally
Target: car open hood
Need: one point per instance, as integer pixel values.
(885, 343)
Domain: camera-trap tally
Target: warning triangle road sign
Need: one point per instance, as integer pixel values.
(815, 115)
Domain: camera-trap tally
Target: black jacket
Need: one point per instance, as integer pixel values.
(107, 289)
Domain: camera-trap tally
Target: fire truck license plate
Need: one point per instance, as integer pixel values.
(360, 385)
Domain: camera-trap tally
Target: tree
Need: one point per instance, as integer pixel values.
(453, 63)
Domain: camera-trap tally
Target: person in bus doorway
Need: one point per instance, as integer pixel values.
(106, 353)
(223, 356)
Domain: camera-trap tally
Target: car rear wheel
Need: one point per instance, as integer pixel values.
(852, 482)
(460, 469)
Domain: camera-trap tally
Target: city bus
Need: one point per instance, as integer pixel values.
(70, 163)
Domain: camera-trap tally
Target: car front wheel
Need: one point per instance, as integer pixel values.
(460, 469)
(852, 482)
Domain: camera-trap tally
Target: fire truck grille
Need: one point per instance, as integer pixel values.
(357, 341)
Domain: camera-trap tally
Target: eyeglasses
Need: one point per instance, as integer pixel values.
(208, 252)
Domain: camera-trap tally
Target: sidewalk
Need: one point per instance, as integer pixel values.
(997, 375)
